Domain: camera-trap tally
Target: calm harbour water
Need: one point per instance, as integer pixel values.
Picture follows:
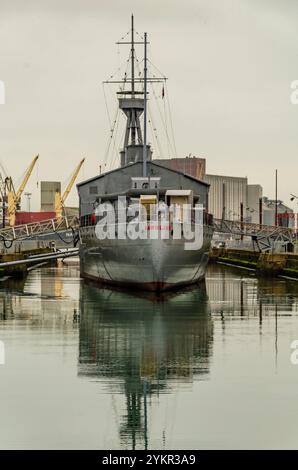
(204, 368)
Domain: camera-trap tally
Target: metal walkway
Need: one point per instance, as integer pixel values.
(34, 229)
(42, 258)
(264, 236)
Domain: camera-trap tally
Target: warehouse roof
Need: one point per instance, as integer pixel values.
(141, 163)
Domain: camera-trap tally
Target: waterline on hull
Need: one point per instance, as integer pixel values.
(154, 265)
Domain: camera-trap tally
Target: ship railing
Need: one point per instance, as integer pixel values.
(89, 220)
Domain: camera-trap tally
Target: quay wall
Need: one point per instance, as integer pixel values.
(270, 264)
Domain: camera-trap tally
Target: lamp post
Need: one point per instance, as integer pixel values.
(260, 211)
(241, 220)
(292, 198)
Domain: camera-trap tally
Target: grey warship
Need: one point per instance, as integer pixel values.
(158, 262)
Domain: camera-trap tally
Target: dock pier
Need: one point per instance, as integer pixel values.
(266, 264)
(24, 247)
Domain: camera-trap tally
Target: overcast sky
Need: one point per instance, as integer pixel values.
(230, 64)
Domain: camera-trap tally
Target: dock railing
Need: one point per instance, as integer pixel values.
(21, 232)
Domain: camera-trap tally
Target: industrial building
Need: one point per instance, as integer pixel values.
(285, 215)
(231, 197)
(48, 194)
(254, 203)
(48, 190)
(227, 195)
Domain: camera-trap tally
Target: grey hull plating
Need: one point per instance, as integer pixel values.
(146, 264)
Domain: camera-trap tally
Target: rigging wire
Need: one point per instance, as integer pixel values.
(114, 137)
(166, 122)
(140, 36)
(120, 65)
(114, 123)
(169, 106)
(165, 116)
(117, 147)
(171, 120)
(171, 149)
(111, 138)
(151, 121)
(157, 69)
(161, 117)
(154, 132)
(106, 104)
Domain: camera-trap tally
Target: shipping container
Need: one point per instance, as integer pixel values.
(28, 217)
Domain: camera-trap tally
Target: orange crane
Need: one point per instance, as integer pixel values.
(14, 198)
(60, 200)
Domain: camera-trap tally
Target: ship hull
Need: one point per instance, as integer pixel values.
(154, 265)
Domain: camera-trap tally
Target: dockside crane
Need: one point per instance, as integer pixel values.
(6, 185)
(60, 200)
(14, 198)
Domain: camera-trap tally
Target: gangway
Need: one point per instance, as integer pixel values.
(264, 236)
(35, 229)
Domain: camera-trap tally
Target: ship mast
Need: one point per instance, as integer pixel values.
(133, 103)
(132, 57)
(133, 129)
(145, 109)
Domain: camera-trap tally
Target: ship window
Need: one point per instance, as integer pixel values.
(92, 189)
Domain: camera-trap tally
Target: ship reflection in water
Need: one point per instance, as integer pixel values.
(143, 346)
(204, 368)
